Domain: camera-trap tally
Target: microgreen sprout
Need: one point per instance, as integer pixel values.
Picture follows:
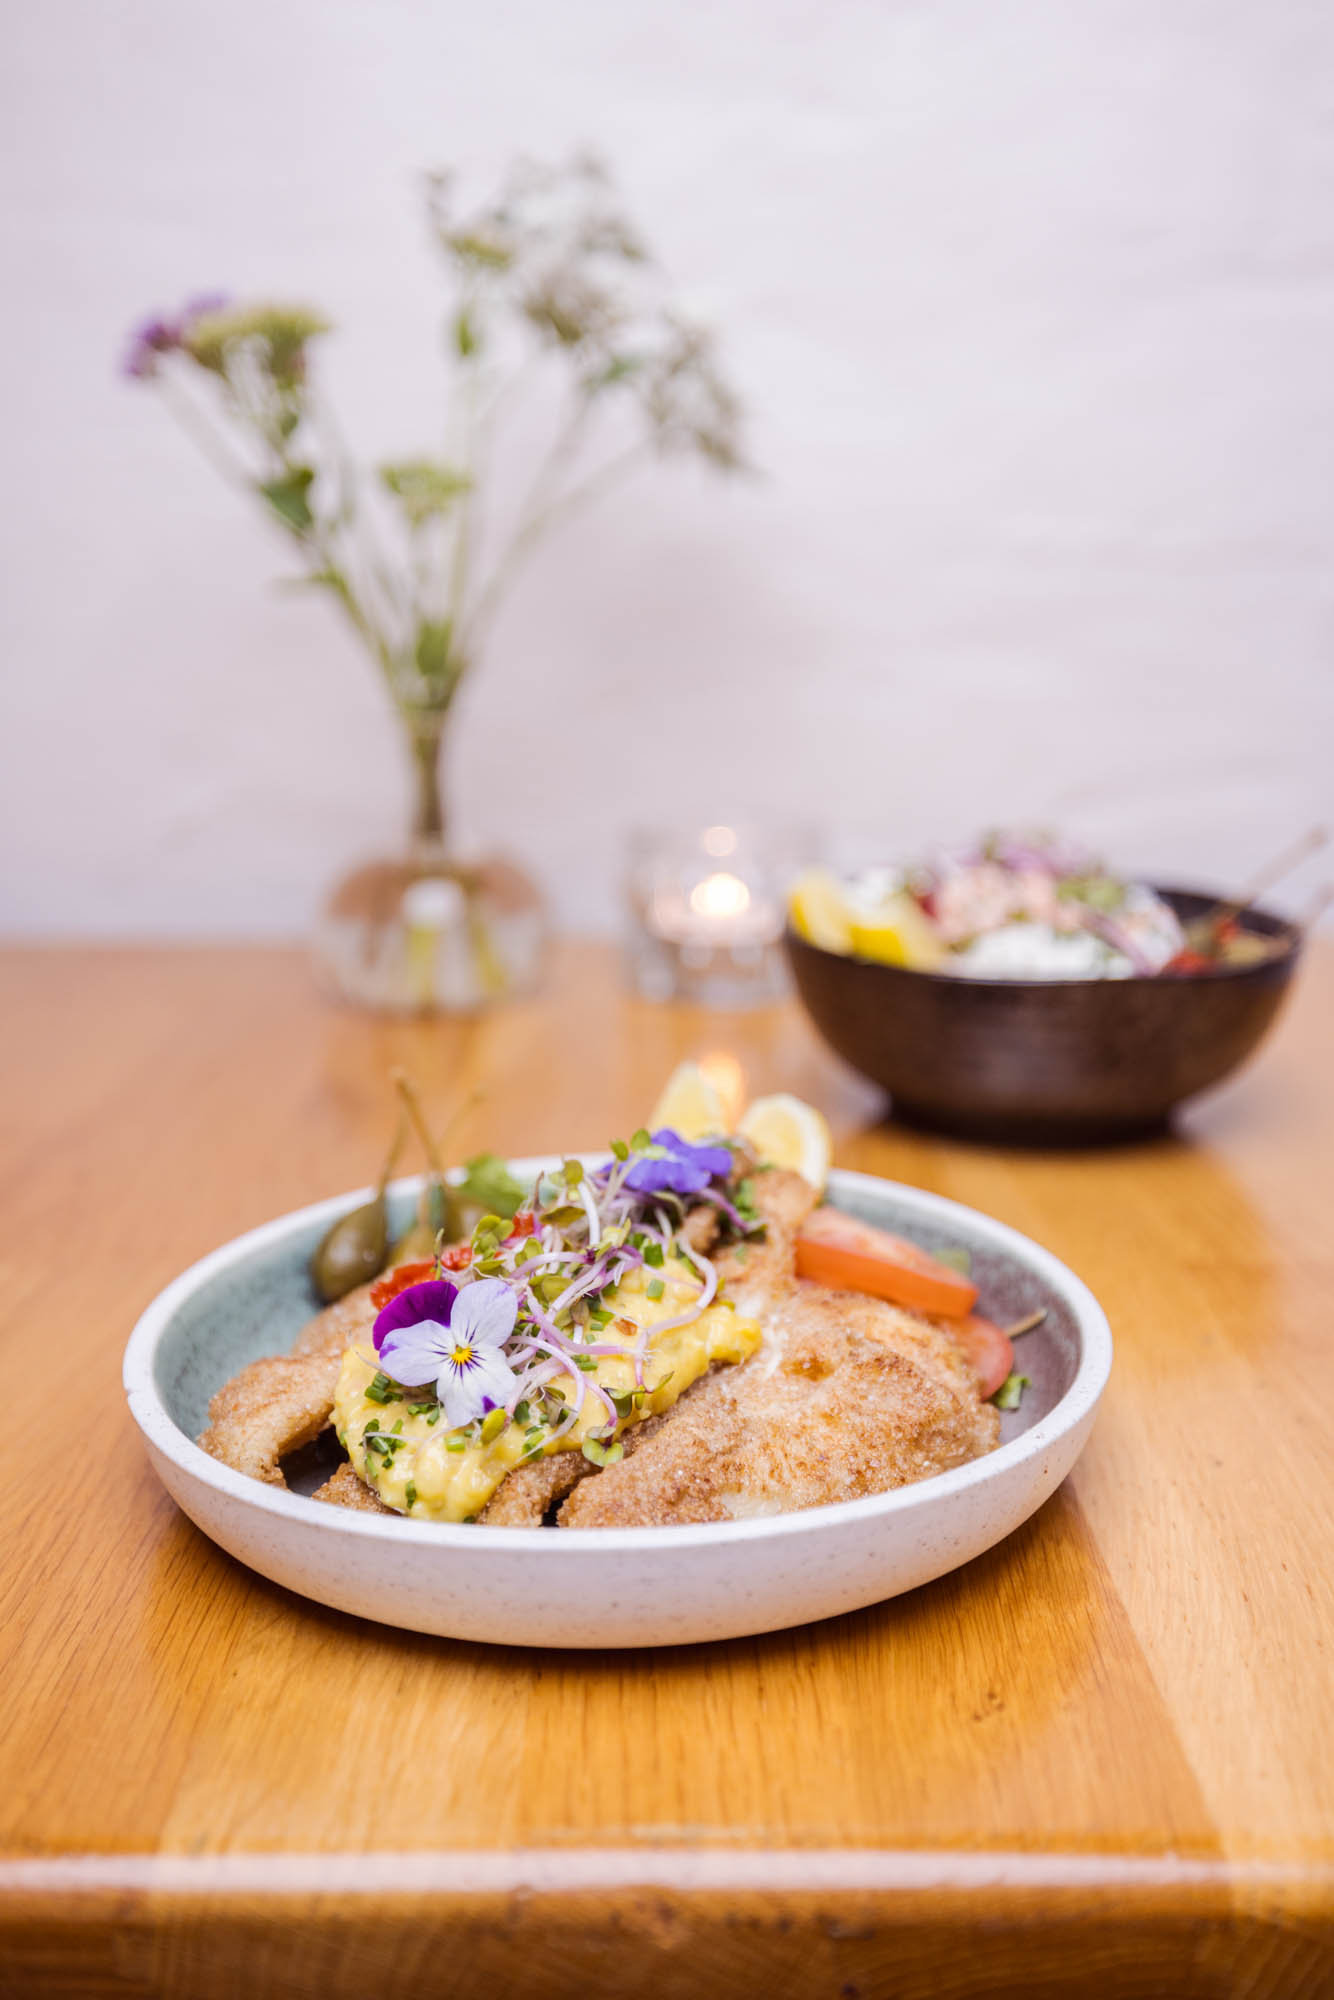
(514, 1332)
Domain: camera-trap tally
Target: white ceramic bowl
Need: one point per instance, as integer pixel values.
(602, 1587)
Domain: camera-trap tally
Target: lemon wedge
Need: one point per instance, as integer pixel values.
(690, 1104)
(896, 933)
(786, 1132)
(819, 910)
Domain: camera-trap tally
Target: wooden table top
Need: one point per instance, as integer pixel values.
(1103, 1753)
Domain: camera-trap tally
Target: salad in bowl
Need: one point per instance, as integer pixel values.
(1015, 905)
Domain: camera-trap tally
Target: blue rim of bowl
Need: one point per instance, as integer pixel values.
(164, 1435)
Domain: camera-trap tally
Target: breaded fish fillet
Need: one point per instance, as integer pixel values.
(524, 1497)
(847, 1396)
(345, 1489)
(335, 1329)
(276, 1405)
(272, 1407)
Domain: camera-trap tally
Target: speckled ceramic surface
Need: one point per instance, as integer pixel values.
(650, 1586)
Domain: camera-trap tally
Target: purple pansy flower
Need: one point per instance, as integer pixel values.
(159, 335)
(451, 1335)
(678, 1166)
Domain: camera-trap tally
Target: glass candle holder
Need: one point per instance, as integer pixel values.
(706, 914)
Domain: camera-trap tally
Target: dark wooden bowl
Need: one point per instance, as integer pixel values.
(1044, 1061)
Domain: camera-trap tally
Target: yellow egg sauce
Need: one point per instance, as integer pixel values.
(439, 1475)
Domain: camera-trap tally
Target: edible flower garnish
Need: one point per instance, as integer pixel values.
(519, 1332)
(671, 1162)
(452, 1336)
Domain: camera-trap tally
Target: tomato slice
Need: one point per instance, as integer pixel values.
(988, 1348)
(853, 1256)
(399, 1279)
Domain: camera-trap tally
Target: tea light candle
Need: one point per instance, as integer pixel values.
(719, 909)
(710, 917)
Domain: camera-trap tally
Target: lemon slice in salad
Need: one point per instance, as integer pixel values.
(786, 1132)
(819, 910)
(896, 933)
(690, 1104)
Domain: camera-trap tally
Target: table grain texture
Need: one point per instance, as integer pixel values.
(1099, 1758)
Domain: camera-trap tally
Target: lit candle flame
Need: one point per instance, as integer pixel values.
(719, 896)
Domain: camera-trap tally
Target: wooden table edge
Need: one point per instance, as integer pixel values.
(875, 1920)
(893, 1878)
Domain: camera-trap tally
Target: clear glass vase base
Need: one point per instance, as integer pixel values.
(431, 935)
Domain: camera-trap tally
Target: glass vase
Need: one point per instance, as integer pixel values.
(431, 929)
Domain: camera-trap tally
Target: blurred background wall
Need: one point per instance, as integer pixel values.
(1033, 307)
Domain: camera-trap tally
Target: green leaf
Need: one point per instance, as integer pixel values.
(489, 1182)
(618, 369)
(432, 650)
(424, 487)
(288, 498)
(467, 339)
(315, 579)
(473, 247)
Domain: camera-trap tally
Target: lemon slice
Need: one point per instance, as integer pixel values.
(690, 1104)
(786, 1132)
(819, 910)
(896, 933)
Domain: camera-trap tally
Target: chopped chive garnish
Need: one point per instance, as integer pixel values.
(653, 1253)
(381, 1389)
(654, 1288)
(410, 1494)
(1011, 1392)
(456, 1444)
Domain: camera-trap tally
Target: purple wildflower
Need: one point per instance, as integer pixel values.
(675, 1165)
(159, 335)
(150, 338)
(452, 1336)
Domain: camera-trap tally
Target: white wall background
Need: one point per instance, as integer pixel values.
(1032, 303)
